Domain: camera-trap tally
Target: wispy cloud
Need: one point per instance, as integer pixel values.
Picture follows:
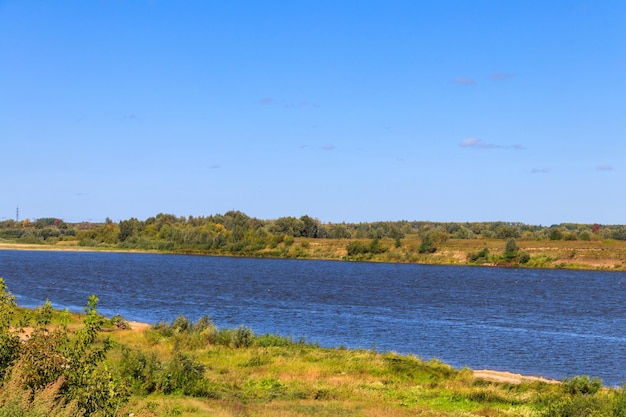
(604, 168)
(500, 76)
(464, 81)
(328, 147)
(131, 116)
(540, 170)
(474, 143)
(266, 101)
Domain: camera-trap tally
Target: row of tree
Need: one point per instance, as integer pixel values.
(235, 231)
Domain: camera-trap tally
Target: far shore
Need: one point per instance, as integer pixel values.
(66, 248)
(579, 255)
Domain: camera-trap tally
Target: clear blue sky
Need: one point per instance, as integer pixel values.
(351, 111)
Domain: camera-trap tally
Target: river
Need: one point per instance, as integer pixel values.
(553, 323)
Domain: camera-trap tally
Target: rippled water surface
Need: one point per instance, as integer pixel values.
(553, 323)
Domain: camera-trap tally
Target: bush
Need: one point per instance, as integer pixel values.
(582, 385)
(510, 249)
(72, 361)
(182, 375)
(480, 256)
(524, 257)
(577, 406)
(242, 337)
(357, 248)
(427, 245)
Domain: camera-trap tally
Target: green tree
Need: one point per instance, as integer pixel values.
(510, 249)
(339, 231)
(289, 226)
(432, 240)
(128, 228)
(427, 245)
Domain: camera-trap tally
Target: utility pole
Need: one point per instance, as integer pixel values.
(17, 214)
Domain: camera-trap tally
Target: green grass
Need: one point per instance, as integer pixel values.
(295, 379)
(196, 369)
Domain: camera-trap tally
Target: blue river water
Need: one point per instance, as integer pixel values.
(553, 323)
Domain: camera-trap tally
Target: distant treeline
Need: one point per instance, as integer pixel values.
(235, 232)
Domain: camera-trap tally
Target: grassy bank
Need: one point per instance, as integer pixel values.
(68, 364)
(575, 254)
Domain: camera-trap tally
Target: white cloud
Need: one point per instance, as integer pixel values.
(476, 144)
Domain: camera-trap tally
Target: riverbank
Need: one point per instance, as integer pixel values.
(605, 255)
(192, 369)
(195, 369)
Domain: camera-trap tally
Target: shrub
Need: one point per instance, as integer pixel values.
(510, 249)
(480, 256)
(119, 322)
(9, 339)
(141, 371)
(577, 406)
(182, 374)
(357, 248)
(524, 257)
(582, 385)
(242, 337)
(74, 362)
(427, 245)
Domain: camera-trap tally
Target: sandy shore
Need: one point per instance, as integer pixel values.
(67, 248)
(508, 377)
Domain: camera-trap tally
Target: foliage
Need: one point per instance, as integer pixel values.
(524, 258)
(582, 385)
(479, 257)
(235, 233)
(510, 249)
(70, 364)
(358, 247)
(427, 245)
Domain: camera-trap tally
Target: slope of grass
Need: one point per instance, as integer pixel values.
(196, 369)
(575, 254)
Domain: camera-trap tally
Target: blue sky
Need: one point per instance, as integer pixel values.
(348, 111)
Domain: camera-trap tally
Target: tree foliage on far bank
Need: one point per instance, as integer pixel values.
(234, 232)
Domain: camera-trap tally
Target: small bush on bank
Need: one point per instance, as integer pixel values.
(481, 256)
(582, 385)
